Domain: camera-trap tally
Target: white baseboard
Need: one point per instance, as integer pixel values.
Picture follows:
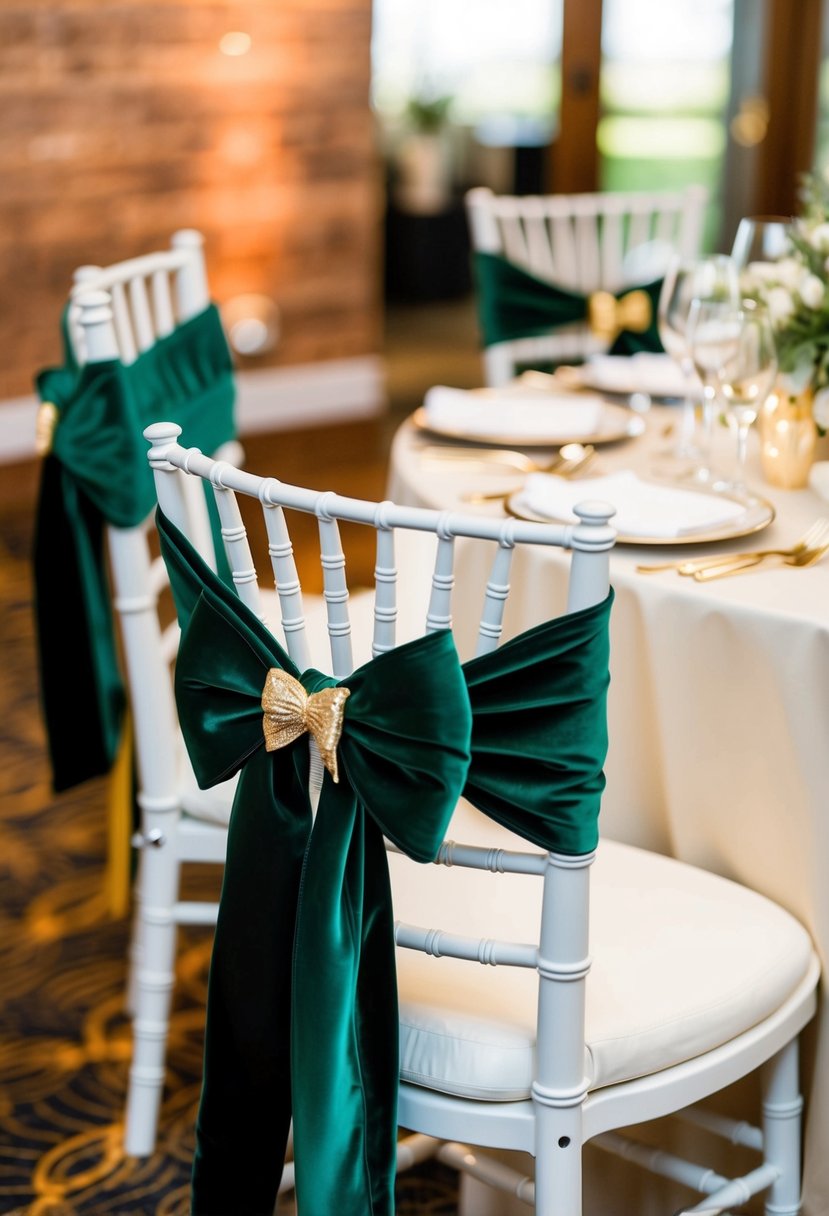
(273, 399)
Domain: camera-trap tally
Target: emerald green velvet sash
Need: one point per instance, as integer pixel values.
(97, 473)
(512, 303)
(539, 730)
(302, 1003)
(303, 951)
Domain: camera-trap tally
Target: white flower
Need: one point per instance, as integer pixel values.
(780, 304)
(789, 271)
(762, 273)
(811, 289)
(819, 237)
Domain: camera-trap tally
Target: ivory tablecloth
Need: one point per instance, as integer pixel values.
(718, 709)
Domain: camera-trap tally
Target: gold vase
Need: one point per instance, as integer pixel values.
(788, 436)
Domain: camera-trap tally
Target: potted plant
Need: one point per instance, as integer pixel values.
(423, 161)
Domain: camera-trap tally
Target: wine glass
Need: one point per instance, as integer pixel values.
(745, 372)
(761, 238)
(713, 328)
(713, 277)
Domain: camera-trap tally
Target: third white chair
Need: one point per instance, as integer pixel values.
(583, 243)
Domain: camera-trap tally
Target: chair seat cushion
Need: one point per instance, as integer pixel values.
(683, 961)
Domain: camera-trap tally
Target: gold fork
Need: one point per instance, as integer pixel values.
(815, 535)
(563, 468)
(806, 557)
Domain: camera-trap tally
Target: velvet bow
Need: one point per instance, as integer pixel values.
(513, 303)
(539, 741)
(302, 1003)
(97, 473)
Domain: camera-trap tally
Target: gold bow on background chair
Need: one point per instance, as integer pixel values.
(513, 303)
(608, 316)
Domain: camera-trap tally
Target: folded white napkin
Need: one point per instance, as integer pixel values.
(642, 507)
(656, 374)
(521, 412)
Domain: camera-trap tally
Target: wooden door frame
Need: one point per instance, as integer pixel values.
(574, 158)
(792, 64)
(789, 75)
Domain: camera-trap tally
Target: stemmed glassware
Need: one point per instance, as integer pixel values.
(761, 238)
(712, 330)
(746, 367)
(711, 278)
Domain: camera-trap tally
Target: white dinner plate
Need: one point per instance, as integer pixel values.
(757, 514)
(617, 422)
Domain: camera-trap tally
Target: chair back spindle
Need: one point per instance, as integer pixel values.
(385, 581)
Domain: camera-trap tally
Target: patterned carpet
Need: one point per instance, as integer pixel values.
(64, 1040)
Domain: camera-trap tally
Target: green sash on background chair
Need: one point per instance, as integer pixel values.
(101, 410)
(513, 303)
(302, 1011)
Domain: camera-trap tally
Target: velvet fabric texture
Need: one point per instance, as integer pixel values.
(96, 474)
(302, 1000)
(512, 303)
(302, 1013)
(539, 730)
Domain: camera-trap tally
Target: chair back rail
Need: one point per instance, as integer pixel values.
(590, 540)
(580, 241)
(149, 295)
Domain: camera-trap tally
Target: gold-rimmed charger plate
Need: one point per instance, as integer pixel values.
(618, 422)
(758, 514)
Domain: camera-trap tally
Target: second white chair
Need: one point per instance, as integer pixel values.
(118, 313)
(582, 243)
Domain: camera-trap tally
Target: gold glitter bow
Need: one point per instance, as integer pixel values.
(290, 711)
(45, 423)
(608, 316)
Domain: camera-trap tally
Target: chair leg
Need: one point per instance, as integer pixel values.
(153, 993)
(782, 1109)
(136, 946)
(558, 1167)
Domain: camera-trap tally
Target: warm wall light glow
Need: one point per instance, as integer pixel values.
(251, 322)
(235, 42)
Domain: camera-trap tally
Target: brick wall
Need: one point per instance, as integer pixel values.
(122, 121)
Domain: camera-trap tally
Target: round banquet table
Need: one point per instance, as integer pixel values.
(718, 705)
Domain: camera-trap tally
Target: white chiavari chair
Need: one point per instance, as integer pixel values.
(584, 243)
(117, 313)
(682, 983)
